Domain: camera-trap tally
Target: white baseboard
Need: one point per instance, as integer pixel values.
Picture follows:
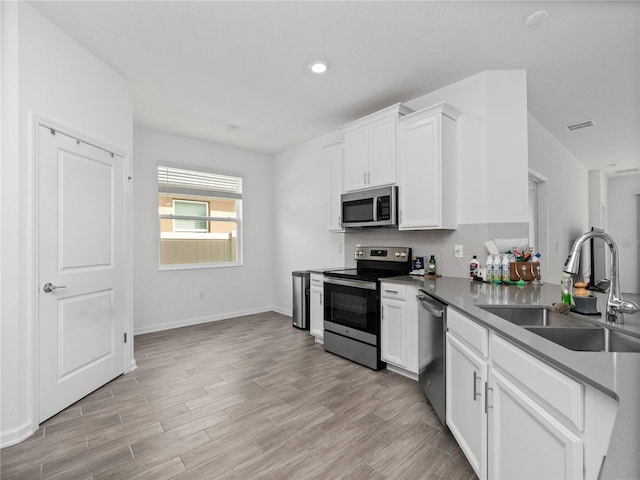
(403, 372)
(198, 320)
(282, 311)
(16, 435)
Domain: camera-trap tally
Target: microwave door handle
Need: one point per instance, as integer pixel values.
(375, 208)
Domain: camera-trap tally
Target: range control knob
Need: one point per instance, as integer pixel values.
(403, 254)
(359, 253)
(397, 254)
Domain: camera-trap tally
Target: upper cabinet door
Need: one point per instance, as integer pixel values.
(382, 156)
(356, 159)
(427, 194)
(370, 149)
(334, 159)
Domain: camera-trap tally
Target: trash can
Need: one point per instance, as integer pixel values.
(301, 299)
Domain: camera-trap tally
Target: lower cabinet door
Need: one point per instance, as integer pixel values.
(393, 332)
(525, 440)
(316, 313)
(466, 374)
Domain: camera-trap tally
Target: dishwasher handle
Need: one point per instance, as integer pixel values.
(434, 308)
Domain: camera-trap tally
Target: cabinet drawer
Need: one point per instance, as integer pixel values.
(556, 389)
(316, 280)
(474, 335)
(393, 290)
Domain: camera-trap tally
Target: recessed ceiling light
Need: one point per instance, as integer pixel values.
(232, 128)
(536, 18)
(318, 67)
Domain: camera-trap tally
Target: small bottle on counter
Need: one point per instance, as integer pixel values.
(506, 274)
(566, 284)
(489, 269)
(473, 268)
(497, 269)
(432, 265)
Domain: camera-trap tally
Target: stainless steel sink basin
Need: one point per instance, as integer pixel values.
(589, 339)
(534, 316)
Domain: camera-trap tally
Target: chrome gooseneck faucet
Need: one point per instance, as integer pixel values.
(616, 306)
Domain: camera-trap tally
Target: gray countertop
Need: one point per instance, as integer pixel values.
(616, 374)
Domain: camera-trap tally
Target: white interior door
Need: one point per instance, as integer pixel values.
(80, 269)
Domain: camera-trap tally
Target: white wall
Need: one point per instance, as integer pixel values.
(492, 186)
(492, 144)
(623, 226)
(567, 195)
(598, 199)
(301, 201)
(44, 73)
(168, 299)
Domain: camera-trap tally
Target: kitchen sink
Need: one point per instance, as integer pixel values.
(589, 339)
(534, 316)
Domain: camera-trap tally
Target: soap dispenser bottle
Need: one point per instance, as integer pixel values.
(566, 284)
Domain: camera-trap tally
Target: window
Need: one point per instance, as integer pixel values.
(189, 208)
(200, 218)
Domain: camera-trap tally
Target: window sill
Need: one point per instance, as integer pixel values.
(198, 266)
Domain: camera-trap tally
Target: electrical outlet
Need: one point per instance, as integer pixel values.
(201, 295)
(458, 251)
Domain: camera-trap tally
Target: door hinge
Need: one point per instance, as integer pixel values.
(125, 337)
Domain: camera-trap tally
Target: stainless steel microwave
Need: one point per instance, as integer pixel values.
(376, 207)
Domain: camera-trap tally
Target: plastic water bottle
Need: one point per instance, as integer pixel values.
(489, 269)
(497, 269)
(506, 274)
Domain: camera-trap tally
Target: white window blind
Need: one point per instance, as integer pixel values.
(179, 181)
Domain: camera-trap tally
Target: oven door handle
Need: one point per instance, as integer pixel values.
(351, 283)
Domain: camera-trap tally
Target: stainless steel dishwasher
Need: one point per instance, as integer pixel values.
(432, 328)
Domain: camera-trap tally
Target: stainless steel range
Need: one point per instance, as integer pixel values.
(352, 303)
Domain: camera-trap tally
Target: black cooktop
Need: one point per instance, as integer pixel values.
(365, 275)
(374, 263)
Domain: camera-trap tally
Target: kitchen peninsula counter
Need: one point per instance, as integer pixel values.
(616, 374)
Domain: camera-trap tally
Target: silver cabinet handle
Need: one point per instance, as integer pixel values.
(369, 178)
(321, 295)
(390, 291)
(476, 394)
(364, 177)
(487, 389)
(50, 287)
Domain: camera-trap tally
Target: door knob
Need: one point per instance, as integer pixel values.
(50, 287)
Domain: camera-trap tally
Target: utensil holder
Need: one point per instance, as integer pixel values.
(528, 274)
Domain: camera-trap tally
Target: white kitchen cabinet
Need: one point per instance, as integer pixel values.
(536, 415)
(370, 148)
(427, 151)
(526, 439)
(334, 160)
(515, 416)
(466, 376)
(316, 308)
(399, 328)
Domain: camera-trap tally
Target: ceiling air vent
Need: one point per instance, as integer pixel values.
(628, 170)
(579, 125)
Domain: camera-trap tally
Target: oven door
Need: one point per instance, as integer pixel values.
(351, 308)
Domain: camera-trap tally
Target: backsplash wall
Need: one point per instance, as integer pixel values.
(438, 242)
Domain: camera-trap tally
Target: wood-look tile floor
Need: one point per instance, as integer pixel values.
(245, 398)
